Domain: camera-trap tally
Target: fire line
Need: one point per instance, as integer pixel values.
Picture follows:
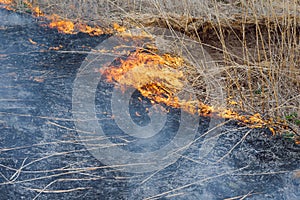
(63, 25)
(160, 75)
(162, 80)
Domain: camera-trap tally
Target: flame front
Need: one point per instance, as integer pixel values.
(69, 27)
(159, 78)
(64, 25)
(6, 4)
(6, 1)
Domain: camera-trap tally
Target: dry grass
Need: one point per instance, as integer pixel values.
(254, 43)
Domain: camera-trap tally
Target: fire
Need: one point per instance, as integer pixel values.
(5, 1)
(6, 4)
(159, 78)
(151, 62)
(119, 28)
(64, 25)
(69, 27)
(37, 12)
(61, 25)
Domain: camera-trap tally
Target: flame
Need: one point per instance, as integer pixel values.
(6, 1)
(37, 12)
(61, 25)
(6, 4)
(119, 28)
(69, 27)
(159, 78)
(64, 25)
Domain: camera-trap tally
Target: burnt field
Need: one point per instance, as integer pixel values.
(44, 154)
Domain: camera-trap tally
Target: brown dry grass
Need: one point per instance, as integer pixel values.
(254, 43)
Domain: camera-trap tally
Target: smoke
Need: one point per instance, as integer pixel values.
(12, 19)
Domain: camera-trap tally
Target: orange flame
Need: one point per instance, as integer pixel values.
(61, 25)
(5, 1)
(159, 78)
(69, 27)
(66, 26)
(37, 12)
(6, 4)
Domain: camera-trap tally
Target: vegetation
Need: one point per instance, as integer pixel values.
(255, 44)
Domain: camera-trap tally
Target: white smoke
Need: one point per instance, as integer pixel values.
(13, 19)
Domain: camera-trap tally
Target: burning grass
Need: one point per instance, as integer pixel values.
(55, 21)
(161, 79)
(255, 45)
